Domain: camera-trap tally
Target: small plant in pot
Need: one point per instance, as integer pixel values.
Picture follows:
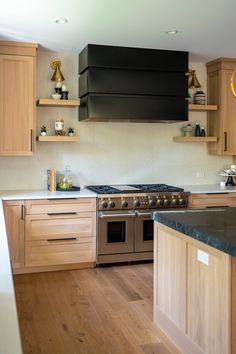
(43, 130)
(71, 131)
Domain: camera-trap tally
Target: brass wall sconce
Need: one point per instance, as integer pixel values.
(57, 75)
(193, 83)
(232, 83)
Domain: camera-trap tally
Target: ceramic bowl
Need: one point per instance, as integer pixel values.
(56, 96)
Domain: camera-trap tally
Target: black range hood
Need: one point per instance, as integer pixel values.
(132, 84)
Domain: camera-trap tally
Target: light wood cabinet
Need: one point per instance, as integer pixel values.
(194, 293)
(221, 123)
(60, 232)
(17, 98)
(208, 200)
(14, 219)
(51, 234)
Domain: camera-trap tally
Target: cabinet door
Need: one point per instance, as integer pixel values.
(171, 274)
(229, 114)
(207, 299)
(14, 219)
(17, 105)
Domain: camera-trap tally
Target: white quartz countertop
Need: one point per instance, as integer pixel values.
(42, 194)
(207, 188)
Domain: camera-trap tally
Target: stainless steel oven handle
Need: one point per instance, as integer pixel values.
(143, 214)
(103, 216)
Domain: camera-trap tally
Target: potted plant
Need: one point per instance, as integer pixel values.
(43, 130)
(71, 131)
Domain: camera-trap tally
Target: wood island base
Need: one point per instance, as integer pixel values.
(194, 293)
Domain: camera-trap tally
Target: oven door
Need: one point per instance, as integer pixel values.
(144, 231)
(115, 232)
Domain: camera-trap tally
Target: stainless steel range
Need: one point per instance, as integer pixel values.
(125, 227)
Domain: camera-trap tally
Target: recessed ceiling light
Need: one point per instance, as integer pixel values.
(171, 32)
(61, 21)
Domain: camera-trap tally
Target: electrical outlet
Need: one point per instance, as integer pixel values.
(200, 174)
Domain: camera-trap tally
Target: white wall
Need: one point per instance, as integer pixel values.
(110, 152)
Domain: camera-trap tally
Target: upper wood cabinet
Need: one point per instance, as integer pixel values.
(222, 123)
(17, 98)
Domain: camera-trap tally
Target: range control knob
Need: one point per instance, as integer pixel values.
(182, 202)
(124, 204)
(104, 204)
(152, 203)
(174, 202)
(137, 203)
(159, 202)
(111, 205)
(166, 202)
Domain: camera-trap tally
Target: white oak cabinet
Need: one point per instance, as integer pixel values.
(194, 293)
(208, 200)
(17, 98)
(14, 219)
(51, 234)
(221, 123)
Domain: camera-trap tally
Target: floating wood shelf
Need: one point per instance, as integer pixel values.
(57, 138)
(194, 139)
(202, 107)
(48, 102)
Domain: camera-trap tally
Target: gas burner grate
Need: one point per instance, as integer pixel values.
(157, 188)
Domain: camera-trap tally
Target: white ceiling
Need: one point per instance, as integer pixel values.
(206, 27)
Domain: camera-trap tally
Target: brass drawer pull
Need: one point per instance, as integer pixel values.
(65, 213)
(62, 239)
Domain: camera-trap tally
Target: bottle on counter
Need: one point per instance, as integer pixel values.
(197, 130)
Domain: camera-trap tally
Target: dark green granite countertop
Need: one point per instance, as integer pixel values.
(215, 227)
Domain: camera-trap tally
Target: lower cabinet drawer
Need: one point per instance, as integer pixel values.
(48, 253)
(49, 227)
(212, 200)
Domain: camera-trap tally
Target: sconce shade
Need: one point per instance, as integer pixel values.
(57, 75)
(194, 83)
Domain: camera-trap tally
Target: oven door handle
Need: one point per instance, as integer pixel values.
(143, 214)
(103, 216)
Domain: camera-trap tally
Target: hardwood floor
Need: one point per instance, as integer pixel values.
(90, 311)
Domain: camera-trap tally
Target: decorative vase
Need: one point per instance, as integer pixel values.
(43, 133)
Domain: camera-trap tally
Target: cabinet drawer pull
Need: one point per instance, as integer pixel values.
(217, 206)
(62, 239)
(22, 212)
(53, 199)
(31, 140)
(65, 213)
(225, 141)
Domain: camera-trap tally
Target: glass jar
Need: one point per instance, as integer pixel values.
(66, 180)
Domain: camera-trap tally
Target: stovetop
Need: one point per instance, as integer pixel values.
(133, 188)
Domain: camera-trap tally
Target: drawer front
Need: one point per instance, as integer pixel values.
(49, 227)
(54, 206)
(49, 253)
(211, 200)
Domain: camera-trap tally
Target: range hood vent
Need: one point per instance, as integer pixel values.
(132, 84)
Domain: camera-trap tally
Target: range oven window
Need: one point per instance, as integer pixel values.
(147, 230)
(116, 231)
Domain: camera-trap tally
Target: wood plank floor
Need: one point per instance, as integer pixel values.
(105, 310)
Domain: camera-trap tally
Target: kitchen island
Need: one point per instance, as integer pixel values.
(195, 279)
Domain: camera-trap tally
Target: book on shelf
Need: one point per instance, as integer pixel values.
(51, 177)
